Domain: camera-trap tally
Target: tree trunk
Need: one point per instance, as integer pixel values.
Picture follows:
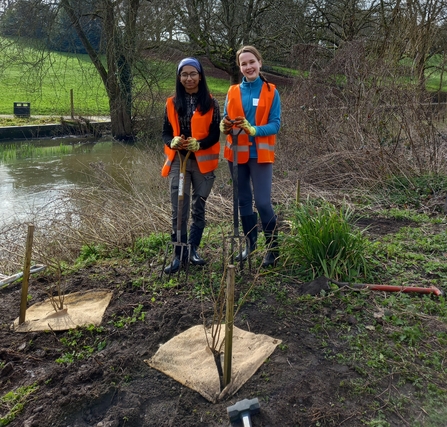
(235, 75)
(120, 54)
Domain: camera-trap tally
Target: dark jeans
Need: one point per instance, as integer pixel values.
(200, 184)
(256, 179)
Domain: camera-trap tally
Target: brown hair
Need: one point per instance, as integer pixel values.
(258, 56)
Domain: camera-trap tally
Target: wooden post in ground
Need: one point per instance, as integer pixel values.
(72, 103)
(26, 273)
(229, 322)
(298, 192)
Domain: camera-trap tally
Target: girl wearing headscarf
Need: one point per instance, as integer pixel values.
(191, 123)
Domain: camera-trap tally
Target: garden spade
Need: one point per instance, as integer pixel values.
(178, 243)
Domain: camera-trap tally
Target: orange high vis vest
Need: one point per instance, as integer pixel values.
(208, 159)
(265, 145)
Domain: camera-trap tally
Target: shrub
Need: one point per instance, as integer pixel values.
(323, 241)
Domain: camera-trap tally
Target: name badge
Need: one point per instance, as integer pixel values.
(255, 102)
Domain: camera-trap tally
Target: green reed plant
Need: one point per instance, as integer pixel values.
(11, 152)
(324, 242)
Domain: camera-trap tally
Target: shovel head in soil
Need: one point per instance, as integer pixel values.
(183, 250)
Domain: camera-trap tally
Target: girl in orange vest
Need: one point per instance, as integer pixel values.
(191, 123)
(254, 105)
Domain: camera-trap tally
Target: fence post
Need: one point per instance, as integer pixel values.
(26, 273)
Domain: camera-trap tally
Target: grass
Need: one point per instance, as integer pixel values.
(13, 402)
(323, 242)
(413, 191)
(385, 338)
(25, 150)
(24, 121)
(47, 86)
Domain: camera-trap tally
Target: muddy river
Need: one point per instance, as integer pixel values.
(34, 173)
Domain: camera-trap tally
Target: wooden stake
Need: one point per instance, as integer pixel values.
(26, 272)
(229, 322)
(298, 191)
(72, 103)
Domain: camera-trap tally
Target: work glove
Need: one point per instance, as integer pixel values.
(244, 124)
(226, 125)
(192, 144)
(177, 142)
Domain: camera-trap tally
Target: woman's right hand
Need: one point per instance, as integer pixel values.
(226, 125)
(177, 142)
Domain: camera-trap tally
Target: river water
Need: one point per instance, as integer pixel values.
(30, 178)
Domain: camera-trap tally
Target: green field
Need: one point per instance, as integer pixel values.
(47, 85)
(45, 79)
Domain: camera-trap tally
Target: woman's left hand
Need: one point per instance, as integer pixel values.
(192, 144)
(244, 124)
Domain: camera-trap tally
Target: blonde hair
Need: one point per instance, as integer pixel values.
(258, 56)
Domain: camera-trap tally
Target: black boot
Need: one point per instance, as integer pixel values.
(174, 266)
(271, 243)
(195, 236)
(175, 263)
(250, 227)
(195, 258)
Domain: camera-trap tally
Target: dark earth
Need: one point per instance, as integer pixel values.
(114, 387)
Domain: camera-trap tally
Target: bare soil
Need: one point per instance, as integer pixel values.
(296, 386)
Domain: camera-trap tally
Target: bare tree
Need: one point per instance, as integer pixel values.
(217, 29)
(334, 22)
(119, 20)
(422, 21)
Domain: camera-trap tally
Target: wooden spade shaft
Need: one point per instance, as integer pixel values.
(181, 193)
(229, 322)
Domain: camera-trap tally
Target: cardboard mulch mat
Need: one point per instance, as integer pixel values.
(80, 309)
(188, 359)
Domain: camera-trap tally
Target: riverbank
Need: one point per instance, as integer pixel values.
(45, 126)
(341, 352)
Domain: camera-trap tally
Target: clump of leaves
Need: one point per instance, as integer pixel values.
(80, 345)
(149, 247)
(414, 191)
(12, 403)
(91, 253)
(125, 321)
(324, 242)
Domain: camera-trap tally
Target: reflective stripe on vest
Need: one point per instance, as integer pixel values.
(207, 160)
(240, 148)
(265, 145)
(206, 157)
